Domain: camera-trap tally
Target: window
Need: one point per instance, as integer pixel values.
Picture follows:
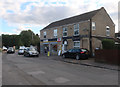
(65, 32)
(55, 33)
(44, 34)
(76, 44)
(93, 26)
(76, 29)
(107, 30)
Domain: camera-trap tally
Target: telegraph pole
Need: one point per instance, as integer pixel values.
(90, 38)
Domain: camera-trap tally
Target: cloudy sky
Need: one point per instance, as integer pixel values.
(18, 15)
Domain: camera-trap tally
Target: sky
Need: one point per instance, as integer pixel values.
(19, 15)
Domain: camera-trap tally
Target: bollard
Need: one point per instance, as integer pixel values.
(48, 53)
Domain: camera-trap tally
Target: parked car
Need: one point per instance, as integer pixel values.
(21, 50)
(86, 51)
(10, 50)
(31, 52)
(76, 53)
(4, 48)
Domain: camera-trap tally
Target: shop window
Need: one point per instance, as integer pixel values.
(54, 48)
(93, 26)
(55, 33)
(65, 32)
(76, 29)
(44, 34)
(107, 30)
(76, 44)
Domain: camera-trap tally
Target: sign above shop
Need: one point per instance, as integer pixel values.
(45, 40)
(59, 40)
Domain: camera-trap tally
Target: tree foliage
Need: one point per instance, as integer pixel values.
(25, 38)
(108, 44)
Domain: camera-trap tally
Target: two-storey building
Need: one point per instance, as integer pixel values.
(81, 31)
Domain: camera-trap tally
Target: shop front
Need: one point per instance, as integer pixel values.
(50, 45)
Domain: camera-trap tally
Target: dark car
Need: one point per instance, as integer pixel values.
(86, 51)
(76, 53)
(31, 52)
(10, 50)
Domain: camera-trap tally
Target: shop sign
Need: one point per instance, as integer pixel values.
(59, 40)
(45, 40)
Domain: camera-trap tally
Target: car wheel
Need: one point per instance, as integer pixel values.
(77, 57)
(27, 54)
(24, 54)
(63, 56)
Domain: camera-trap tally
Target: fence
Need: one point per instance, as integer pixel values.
(108, 56)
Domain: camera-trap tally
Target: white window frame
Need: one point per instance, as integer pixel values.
(76, 46)
(55, 33)
(76, 28)
(65, 31)
(44, 34)
(107, 31)
(93, 26)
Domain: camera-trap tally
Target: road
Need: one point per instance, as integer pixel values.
(20, 70)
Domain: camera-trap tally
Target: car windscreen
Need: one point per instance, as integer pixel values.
(21, 49)
(10, 48)
(32, 49)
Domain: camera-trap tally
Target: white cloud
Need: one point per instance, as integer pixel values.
(42, 14)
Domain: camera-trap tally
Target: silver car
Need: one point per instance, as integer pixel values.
(31, 51)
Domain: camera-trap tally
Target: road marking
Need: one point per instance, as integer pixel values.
(61, 80)
(36, 72)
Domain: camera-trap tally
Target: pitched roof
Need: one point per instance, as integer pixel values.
(74, 19)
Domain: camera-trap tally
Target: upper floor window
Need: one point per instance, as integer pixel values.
(65, 32)
(76, 29)
(107, 30)
(44, 34)
(93, 26)
(55, 33)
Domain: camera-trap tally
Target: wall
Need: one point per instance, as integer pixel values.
(102, 20)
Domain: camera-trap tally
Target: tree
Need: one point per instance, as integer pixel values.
(10, 40)
(29, 38)
(25, 38)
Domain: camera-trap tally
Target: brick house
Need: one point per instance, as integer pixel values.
(81, 31)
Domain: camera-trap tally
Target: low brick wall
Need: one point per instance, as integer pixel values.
(108, 56)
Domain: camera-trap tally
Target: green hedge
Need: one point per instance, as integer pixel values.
(108, 44)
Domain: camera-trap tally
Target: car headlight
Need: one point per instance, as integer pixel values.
(30, 52)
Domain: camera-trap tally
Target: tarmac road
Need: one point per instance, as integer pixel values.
(20, 70)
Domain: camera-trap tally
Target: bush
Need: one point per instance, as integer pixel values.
(108, 44)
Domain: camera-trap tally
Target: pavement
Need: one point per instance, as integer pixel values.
(87, 62)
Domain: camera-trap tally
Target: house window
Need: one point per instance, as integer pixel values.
(93, 26)
(76, 29)
(107, 30)
(76, 44)
(65, 32)
(44, 34)
(55, 33)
